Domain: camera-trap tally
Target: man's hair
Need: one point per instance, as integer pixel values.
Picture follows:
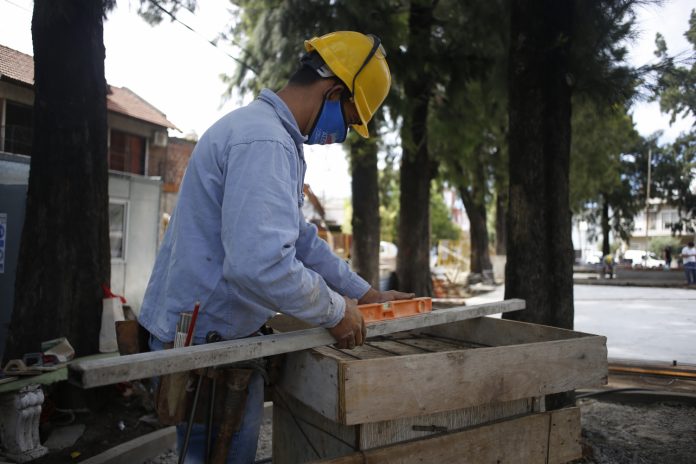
(690, 244)
(306, 74)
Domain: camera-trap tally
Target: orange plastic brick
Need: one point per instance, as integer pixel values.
(393, 309)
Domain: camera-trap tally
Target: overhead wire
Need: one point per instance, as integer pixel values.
(211, 42)
(18, 6)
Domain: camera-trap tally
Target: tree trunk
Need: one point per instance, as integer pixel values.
(413, 259)
(500, 223)
(605, 226)
(500, 176)
(475, 204)
(64, 254)
(540, 259)
(365, 187)
(481, 268)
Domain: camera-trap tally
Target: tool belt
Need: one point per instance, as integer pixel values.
(175, 395)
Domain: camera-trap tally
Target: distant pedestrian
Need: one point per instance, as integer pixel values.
(608, 266)
(689, 257)
(668, 257)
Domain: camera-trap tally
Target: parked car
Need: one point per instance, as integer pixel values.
(644, 259)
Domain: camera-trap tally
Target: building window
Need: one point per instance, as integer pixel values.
(19, 128)
(117, 228)
(669, 218)
(652, 221)
(127, 152)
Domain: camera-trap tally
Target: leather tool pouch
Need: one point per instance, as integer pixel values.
(175, 394)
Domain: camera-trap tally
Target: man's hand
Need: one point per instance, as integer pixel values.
(350, 332)
(375, 296)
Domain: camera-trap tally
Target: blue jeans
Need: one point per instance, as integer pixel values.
(242, 449)
(690, 271)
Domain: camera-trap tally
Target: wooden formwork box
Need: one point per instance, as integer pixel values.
(470, 391)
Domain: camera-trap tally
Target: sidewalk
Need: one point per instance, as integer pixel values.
(674, 278)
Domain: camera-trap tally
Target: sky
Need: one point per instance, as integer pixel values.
(178, 71)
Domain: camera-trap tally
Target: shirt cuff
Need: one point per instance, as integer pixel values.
(356, 288)
(335, 311)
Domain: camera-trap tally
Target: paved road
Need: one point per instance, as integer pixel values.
(640, 323)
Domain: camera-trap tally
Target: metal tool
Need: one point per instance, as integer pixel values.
(189, 425)
(211, 337)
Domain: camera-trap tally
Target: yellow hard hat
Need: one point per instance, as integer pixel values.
(360, 62)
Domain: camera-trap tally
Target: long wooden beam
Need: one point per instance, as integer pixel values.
(95, 373)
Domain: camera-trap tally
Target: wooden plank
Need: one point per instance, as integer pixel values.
(88, 374)
(526, 439)
(383, 389)
(297, 376)
(564, 438)
(503, 332)
(139, 449)
(376, 434)
(301, 435)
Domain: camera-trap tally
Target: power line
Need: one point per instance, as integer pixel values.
(174, 18)
(18, 6)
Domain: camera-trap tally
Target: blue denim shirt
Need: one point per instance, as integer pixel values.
(237, 240)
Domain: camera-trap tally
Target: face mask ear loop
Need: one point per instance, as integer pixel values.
(343, 114)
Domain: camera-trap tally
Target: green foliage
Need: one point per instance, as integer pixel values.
(598, 68)
(657, 245)
(676, 84)
(603, 170)
(389, 199)
(441, 225)
(674, 175)
(271, 33)
(155, 11)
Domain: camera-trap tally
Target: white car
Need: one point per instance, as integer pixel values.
(641, 258)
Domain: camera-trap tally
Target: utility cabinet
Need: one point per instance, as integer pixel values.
(470, 391)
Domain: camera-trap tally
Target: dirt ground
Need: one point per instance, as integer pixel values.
(613, 433)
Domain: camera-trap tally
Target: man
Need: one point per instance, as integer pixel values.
(238, 242)
(689, 258)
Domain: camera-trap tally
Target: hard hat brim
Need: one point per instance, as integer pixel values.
(361, 129)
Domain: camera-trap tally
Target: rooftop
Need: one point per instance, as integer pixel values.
(18, 67)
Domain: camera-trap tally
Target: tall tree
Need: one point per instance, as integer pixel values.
(64, 254)
(417, 169)
(673, 176)
(676, 85)
(365, 199)
(556, 49)
(540, 252)
(676, 91)
(603, 169)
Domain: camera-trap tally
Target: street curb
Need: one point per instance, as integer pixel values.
(619, 283)
(138, 450)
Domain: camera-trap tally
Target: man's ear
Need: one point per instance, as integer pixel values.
(334, 93)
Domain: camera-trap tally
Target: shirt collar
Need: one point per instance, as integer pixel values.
(284, 113)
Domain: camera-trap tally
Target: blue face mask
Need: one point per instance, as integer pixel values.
(330, 126)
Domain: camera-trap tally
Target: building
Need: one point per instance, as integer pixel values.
(139, 157)
(660, 217)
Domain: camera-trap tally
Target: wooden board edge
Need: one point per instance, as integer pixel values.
(474, 444)
(564, 435)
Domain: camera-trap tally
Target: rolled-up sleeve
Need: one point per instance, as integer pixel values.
(260, 217)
